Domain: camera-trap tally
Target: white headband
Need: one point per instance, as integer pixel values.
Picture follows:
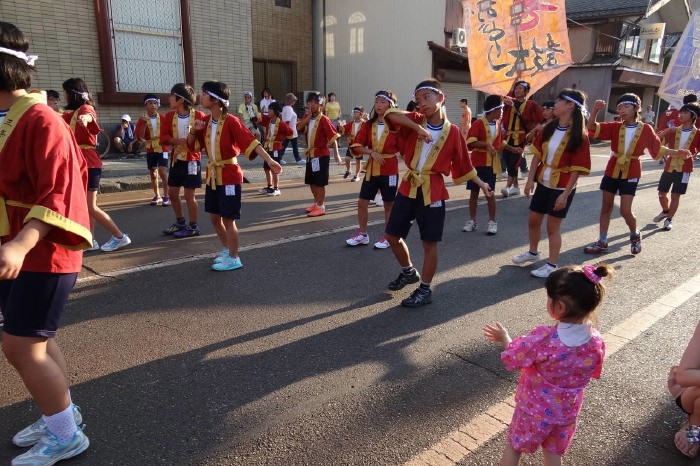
(584, 110)
(29, 59)
(386, 97)
(153, 99)
(183, 98)
(428, 88)
(492, 109)
(631, 102)
(84, 95)
(222, 100)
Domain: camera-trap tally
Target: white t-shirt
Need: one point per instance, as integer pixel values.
(380, 129)
(289, 116)
(214, 125)
(3, 114)
(183, 125)
(685, 134)
(629, 134)
(356, 127)
(554, 142)
(154, 125)
(493, 129)
(264, 104)
(310, 130)
(573, 335)
(648, 117)
(435, 133)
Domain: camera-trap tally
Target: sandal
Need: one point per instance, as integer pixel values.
(687, 439)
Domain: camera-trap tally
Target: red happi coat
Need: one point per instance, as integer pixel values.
(282, 131)
(349, 130)
(152, 140)
(323, 134)
(481, 157)
(449, 156)
(387, 145)
(627, 165)
(86, 136)
(673, 140)
(517, 127)
(563, 163)
(44, 177)
(233, 139)
(167, 133)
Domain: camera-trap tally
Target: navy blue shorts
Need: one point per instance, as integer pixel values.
(674, 182)
(224, 201)
(623, 186)
(512, 161)
(349, 154)
(33, 303)
(276, 156)
(487, 176)
(156, 159)
(319, 178)
(179, 175)
(544, 198)
(93, 181)
(430, 218)
(382, 184)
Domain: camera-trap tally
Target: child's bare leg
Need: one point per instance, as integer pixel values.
(673, 208)
(510, 456)
(473, 202)
(550, 459)
(491, 206)
(690, 401)
(400, 250)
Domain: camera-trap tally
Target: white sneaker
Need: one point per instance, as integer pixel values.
(301, 162)
(504, 175)
(274, 192)
(115, 243)
(492, 228)
(668, 224)
(379, 202)
(543, 272)
(661, 216)
(265, 190)
(49, 450)
(381, 244)
(526, 257)
(514, 191)
(34, 432)
(358, 239)
(505, 192)
(95, 246)
(470, 226)
(283, 162)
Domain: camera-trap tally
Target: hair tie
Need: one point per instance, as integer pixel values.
(84, 95)
(589, 272)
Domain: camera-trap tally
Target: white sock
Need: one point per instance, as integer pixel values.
(62, 424)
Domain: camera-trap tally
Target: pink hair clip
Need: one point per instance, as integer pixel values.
(589, 272)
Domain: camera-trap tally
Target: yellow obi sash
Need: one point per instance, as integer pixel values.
(421, 179)
(676, 163)
(623, 160)
(491, 159)
(311, 151)
(215, 164)
(270, 139)
(514, 132)
(154, 143)
(86, 146)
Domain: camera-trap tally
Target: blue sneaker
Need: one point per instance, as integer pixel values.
(186, 232)
(49, 450)
(33, 433)
(175, 227)
(227, 263)
(222, 255)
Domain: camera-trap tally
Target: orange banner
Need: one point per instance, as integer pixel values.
(516, 40)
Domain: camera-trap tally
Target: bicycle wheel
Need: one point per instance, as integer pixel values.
(104, 143)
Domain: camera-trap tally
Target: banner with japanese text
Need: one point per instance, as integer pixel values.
(682, 75)
(516, 40)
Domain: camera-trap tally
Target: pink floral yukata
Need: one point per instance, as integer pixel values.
(550, 390)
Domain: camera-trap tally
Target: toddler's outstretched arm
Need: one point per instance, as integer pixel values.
(497, 333)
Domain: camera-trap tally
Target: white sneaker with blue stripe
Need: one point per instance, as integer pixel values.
(49, 450)
(33, 433)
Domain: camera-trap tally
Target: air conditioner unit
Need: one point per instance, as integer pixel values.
(459, 38)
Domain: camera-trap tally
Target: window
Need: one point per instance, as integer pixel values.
(655, 51)
(330, 35)
(357, 32)
(284, 3)
(133, 39)
(633, 46)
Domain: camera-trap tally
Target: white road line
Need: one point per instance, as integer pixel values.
(468, 437)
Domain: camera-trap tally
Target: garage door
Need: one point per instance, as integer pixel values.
(454, 92)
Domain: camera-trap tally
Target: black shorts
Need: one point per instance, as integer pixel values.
(349, 154)
(156, 159)
(544, 198)
(224, 201)
(93, 181)
(385, 184)
(430, 218)
(487, 176)
(512, 161)
(623, 186)
(320, 177)
(179, 175)
(33, 303)
(674, 182)
(276, 156)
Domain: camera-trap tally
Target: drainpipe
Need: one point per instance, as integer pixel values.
(324, 47)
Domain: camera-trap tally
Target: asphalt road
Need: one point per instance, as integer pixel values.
(303, 356)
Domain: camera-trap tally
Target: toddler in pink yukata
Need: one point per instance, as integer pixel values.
(556, 364)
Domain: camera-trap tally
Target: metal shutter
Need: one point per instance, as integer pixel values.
(454, 92)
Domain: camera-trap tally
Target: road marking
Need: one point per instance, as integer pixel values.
(467, 438)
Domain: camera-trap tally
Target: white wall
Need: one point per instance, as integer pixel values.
(394, 53)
